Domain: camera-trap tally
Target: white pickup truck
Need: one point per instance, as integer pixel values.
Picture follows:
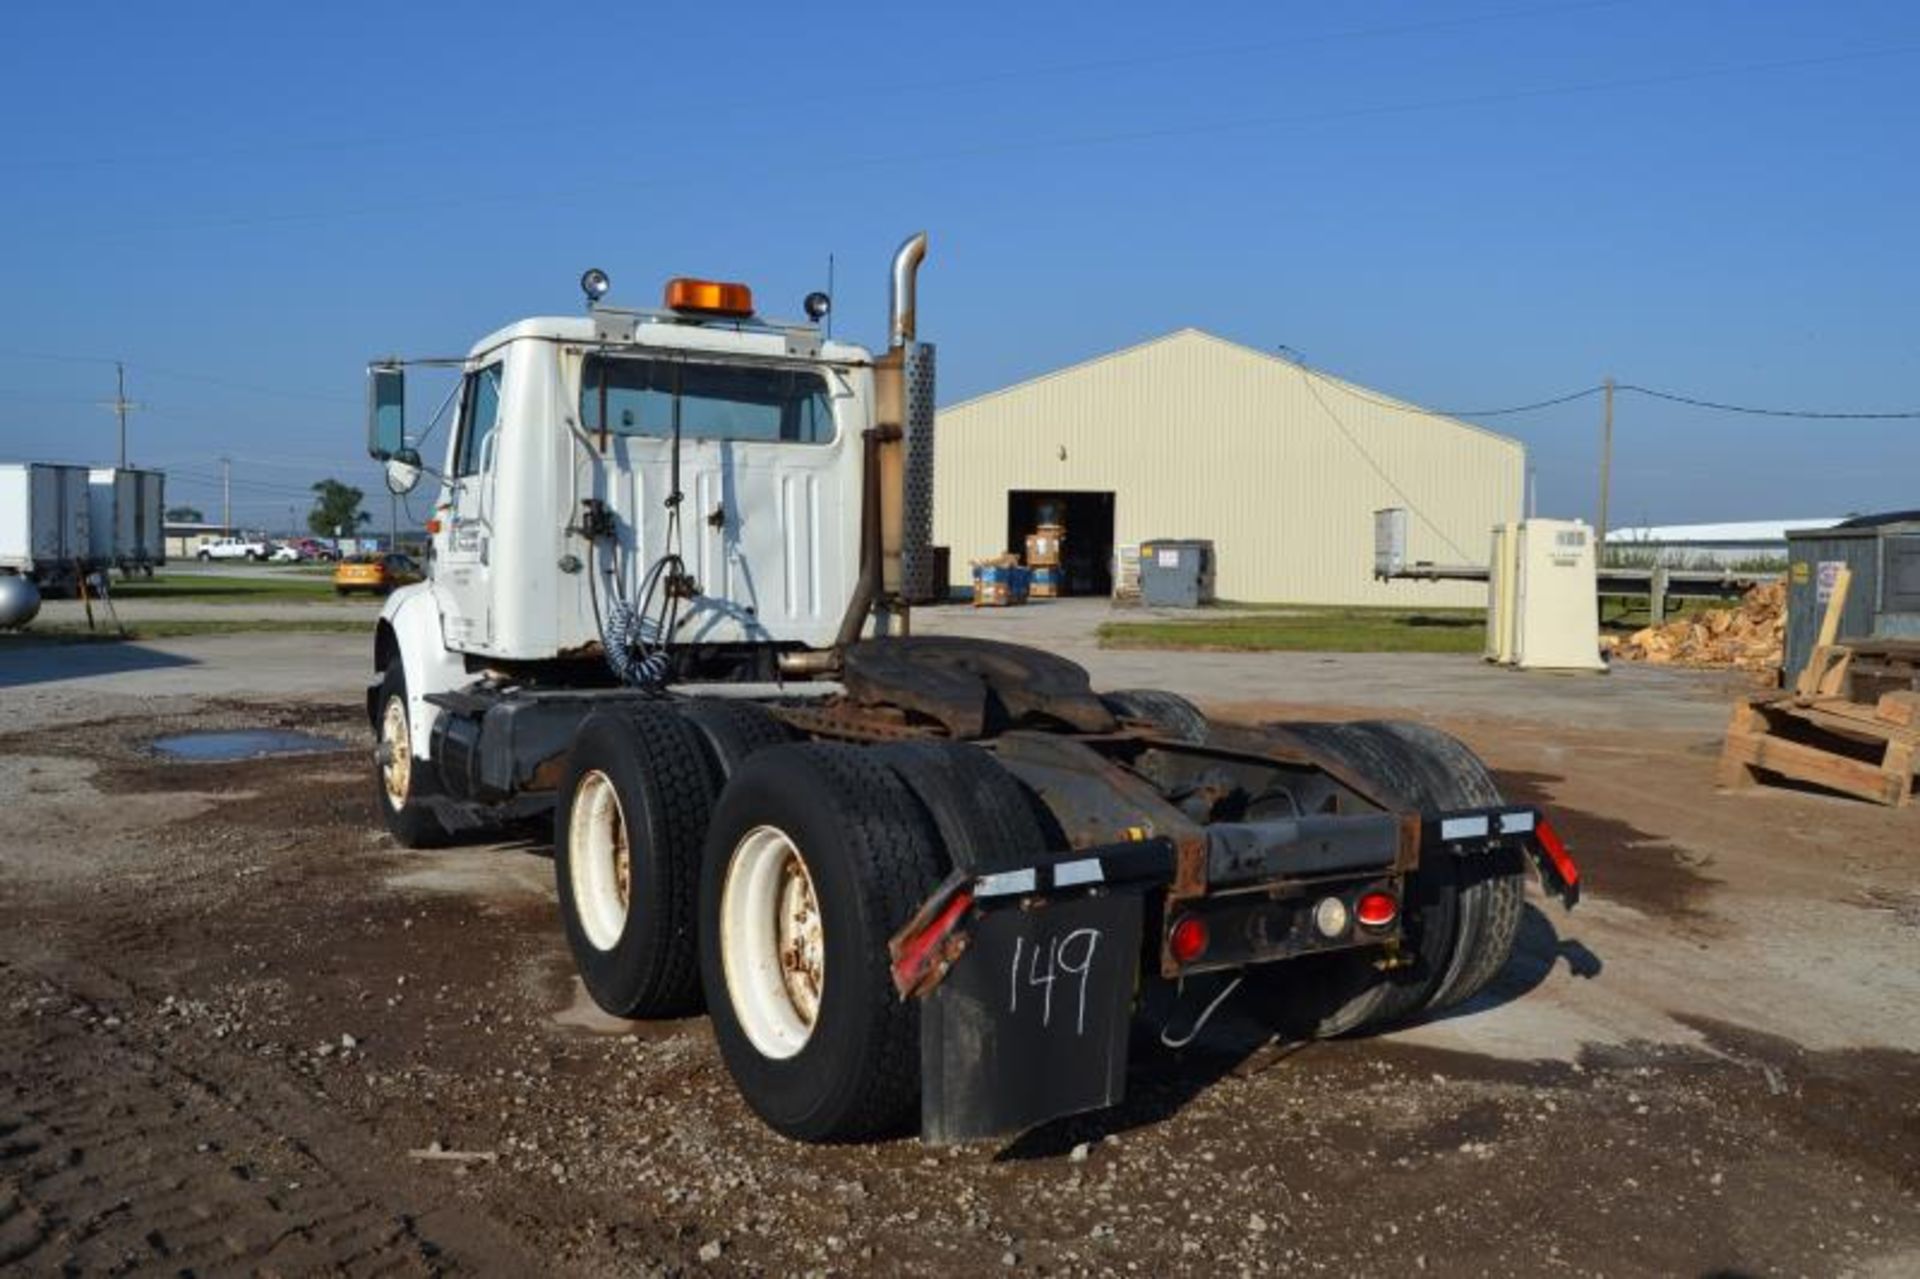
(235, 548)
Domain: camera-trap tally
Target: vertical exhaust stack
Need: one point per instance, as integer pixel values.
(896, 523)
(902, 311)
(907, 465)
(897, 479)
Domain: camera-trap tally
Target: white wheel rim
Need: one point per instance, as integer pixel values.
(772, 942)
(599, 860)
(396, 773)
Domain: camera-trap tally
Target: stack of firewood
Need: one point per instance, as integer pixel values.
(1751, 637)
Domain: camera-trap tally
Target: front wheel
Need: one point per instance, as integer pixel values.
(402, 782)
(816, 855)
(206, 557)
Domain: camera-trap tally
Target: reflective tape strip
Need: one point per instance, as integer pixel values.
(1516, 823)
(1006, 882)
(1085, 871)
(1465, 828)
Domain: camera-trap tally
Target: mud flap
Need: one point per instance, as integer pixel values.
(1030, 1023)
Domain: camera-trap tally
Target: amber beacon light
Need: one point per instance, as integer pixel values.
(709, 297)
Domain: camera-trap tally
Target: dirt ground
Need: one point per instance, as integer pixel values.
(234, 1012)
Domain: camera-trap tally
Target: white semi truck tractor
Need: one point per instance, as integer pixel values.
(908, 877)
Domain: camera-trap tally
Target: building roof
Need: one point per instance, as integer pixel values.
(1191, 335)
(1703, 534)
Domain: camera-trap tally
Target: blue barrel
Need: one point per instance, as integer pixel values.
(1000, 584)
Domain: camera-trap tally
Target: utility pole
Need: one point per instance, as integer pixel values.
(121, 406)
(393, 522)
(226, 496)
(1606, 475)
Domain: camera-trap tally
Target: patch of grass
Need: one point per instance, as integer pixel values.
(77, 632)
(1309, 630)
(209, 588)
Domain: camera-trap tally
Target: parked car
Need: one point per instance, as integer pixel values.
(301, 550)
(377, 573)
(235, 548)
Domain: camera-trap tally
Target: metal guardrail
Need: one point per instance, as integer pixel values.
(1658, 584)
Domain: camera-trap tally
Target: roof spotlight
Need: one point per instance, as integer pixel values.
(817, 304)
(594, 283)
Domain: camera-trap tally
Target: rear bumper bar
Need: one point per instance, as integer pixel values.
(1029, 973)
(1283, 861)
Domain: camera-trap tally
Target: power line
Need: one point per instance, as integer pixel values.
(1813, 414)
(1307, 380)
(1069, 143)
(1361, 394)
(155, 370)
(1720, 406)
(884, 92)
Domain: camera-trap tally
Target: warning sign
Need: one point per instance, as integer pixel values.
(1829, 574)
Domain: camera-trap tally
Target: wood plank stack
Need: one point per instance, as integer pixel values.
(1751, 637)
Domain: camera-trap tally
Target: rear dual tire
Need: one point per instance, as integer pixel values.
(1459, 918)
(636, 792)
(636, 797)
(830, 842)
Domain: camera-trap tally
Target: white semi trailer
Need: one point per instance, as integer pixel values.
(125, 512)
(903, 874)
(45, 523)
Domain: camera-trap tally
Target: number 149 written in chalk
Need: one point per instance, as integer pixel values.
(1069, 955)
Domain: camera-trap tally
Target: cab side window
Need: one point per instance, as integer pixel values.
(479, 415)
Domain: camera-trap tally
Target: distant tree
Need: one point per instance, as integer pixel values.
(185, 515)
(336, 506)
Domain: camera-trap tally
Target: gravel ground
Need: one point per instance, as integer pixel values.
(242, 1031)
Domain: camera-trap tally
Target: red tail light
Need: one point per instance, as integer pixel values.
(1376, 910)
(1188, 940)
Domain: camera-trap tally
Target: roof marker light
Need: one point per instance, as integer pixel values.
(709, 297)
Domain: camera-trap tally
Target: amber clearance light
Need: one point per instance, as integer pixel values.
(709, 297)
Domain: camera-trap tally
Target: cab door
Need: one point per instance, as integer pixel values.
(463, 576)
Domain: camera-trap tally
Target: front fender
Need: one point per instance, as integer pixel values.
(409, 633)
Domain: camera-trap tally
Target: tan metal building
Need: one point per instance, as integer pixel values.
(1192, 436)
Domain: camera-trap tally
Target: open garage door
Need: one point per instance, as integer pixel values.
(1086, 553)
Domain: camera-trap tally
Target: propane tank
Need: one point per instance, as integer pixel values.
(19, 601)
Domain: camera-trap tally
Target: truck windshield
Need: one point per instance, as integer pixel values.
(630, 396)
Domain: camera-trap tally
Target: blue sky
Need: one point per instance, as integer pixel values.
(1466, 204)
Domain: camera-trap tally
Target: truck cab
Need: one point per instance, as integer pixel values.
(736, 448)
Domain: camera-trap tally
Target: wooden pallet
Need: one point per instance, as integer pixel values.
(1816, 732)
(1828, 741)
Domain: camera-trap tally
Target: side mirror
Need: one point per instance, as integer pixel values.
(387, 413)
(403, 472)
